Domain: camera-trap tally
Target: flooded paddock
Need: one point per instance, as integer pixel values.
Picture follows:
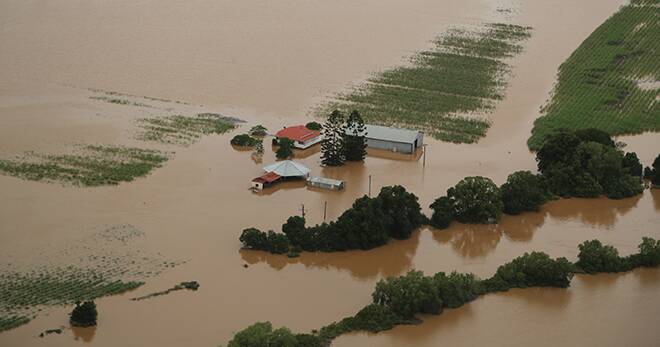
(270, 63)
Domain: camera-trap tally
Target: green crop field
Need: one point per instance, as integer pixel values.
(612, 81)
(93, 166)
(184, 130)
(443, 89)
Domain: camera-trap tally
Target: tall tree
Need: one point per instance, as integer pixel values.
(355, 141)
(332, 146)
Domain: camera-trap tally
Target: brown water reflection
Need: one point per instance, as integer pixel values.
(84, 334)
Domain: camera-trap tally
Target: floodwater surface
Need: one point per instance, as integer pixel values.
(270, 62)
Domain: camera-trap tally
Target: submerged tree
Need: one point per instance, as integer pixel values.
(355, 141)
(84, 315)
(332, 145)
(285, 149)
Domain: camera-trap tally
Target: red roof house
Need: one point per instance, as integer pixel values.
(301, 136)
(265, 180)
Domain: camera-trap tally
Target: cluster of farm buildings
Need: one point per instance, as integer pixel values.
(396, 140)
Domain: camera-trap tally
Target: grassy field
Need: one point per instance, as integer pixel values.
(93, 166)
(184, 130)
(612, 81)
(443, 88)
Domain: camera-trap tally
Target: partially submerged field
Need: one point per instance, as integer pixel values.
(446, 90)
(612, 81)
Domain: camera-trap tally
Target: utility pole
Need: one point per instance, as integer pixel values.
(303, 210)
(369, 185)
(325, 208)
(424, 160)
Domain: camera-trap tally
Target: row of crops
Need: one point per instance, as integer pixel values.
(444, 88)
(105, 263)
(612, 81)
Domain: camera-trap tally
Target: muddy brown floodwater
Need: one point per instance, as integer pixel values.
(270, 62)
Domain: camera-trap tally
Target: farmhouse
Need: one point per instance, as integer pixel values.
(301, 136)
(280, 171)
(393, 139)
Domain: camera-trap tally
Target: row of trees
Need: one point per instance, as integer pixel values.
(343, 139)
(397, 300)
(583, 163)
(370, 222)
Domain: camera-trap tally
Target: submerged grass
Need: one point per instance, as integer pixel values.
(94, 166)
(463, 74)
(184, 130)
(11, 322)
(599, 85)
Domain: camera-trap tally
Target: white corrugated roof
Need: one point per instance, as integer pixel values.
(378, 132)
(288, 168)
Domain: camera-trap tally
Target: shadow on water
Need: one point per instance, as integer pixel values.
(389, 260)
(84, 334)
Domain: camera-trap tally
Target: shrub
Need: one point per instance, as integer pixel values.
(375, 318)
(258, 130)
(256, 239)
(595, 135)
(244, 140)
(476, 200)
(532, 270)
(457, 288)
(277, 243)
(262, 334)
(595, 257)
(443, 213)
(84, 315)
(408, 295)
(523, 191)
(285, 149)
(649, 252)
(402, 211)
(653, 173)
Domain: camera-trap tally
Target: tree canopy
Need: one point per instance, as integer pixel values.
(523, 191)
(476, 200)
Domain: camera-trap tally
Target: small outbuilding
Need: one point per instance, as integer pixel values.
(393, 139)
(301, 136)
(325, 183)
(266, 180)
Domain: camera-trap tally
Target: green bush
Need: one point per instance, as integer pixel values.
(632, 165)
(84, 314)
(443, 212)
(285, 149)
(277, 243)
(476, 200)
(408, 295)
(523, 191)
(457, 288)
(259, 130)
(534, 269)
(595, 257)
(244, 140)
(262, 335)
(256, 239)
(314, 126)
(649, 252)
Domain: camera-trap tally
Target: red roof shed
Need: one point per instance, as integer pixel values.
(298, 133)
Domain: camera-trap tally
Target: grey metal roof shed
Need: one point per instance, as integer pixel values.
(392, 139)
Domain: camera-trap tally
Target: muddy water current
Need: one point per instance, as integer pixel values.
(270, 63)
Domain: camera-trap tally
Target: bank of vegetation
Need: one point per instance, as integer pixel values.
(584, 163)
(443, 88)
(612, 81)
(400, 300)
(91, 166)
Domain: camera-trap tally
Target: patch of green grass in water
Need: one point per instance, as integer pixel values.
(11, 322)
(95, 166)
(597, 85)
(463, 73)
(184, 130)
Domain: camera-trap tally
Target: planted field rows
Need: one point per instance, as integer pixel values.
(444, 88)
(612, 81)
(106, 263)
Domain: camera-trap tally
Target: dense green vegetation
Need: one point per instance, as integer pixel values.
(244, 140)
(184, 130)
(369, 223)
(314, 126)
(284, 149)
(332, 145)
(355, 141)
(524, 191)
(443, 87)
(93, 166)
(652, 173)
(398, 300)
(476, 200)
(84, 314)
(586, 164)
(12, 322)
(602, 84)
(258, 130)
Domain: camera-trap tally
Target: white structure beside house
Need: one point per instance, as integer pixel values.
(325, 183)
(393, 139)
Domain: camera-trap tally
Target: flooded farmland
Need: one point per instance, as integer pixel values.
(269, 63)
